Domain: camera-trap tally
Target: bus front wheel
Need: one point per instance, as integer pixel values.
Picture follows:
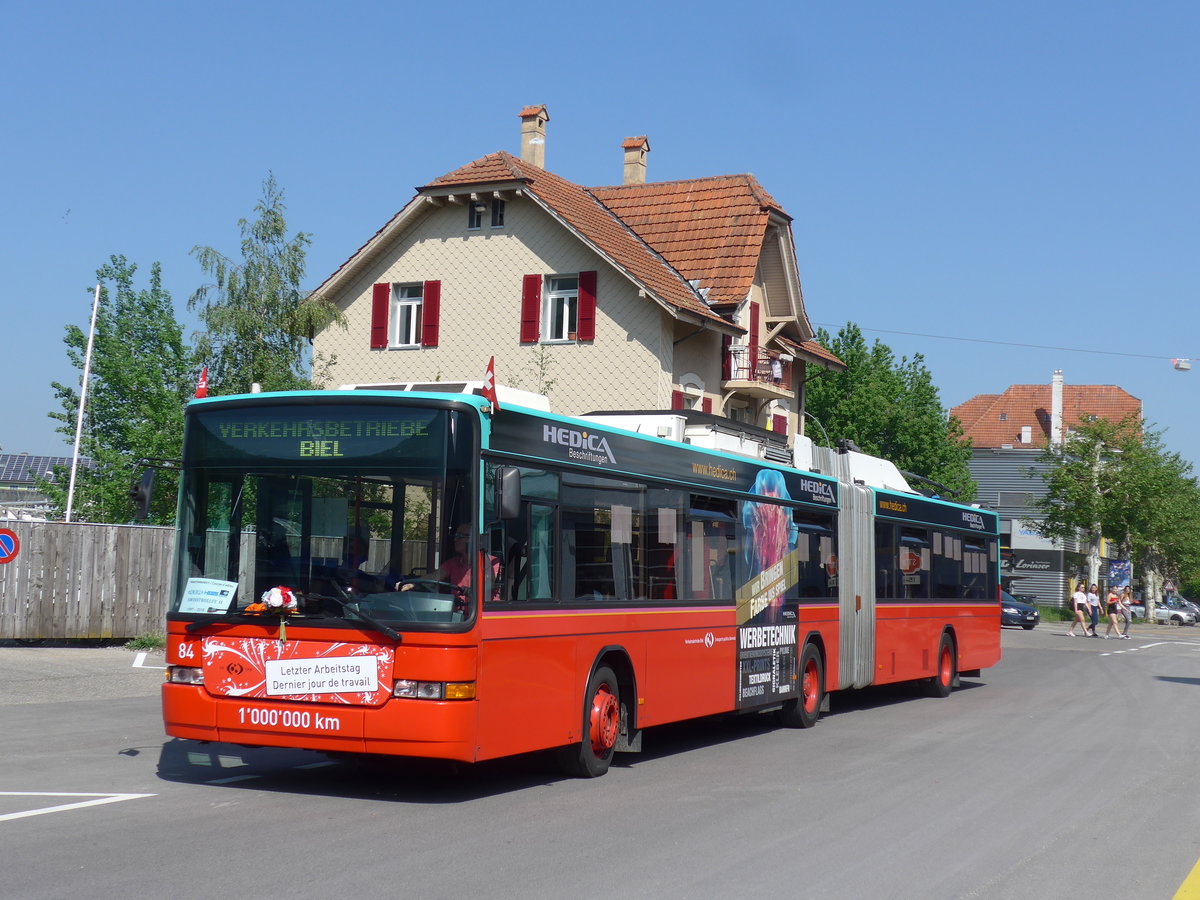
(804, 711)
(592, 756)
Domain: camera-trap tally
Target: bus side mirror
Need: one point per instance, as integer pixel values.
(508, 492)
(141, 494)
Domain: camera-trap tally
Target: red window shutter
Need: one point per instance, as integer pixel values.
(726, 358)
(531, 308)
(431, 305)
(706, 405)
(678, 400)
(779, 424)
(754, 313)
(381, 298)
(587, 306)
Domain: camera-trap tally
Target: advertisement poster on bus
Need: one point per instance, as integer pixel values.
(767, 619)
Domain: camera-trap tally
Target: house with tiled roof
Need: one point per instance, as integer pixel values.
(1008, 432)
(643, 295)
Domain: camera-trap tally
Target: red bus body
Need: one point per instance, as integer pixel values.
(524, 670)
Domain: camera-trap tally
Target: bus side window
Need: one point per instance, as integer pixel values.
(525, 547)
(885, 565)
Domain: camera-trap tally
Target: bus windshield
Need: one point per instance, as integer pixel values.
(361, 511)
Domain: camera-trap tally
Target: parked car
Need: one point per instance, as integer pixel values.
(1168, 612)
(1190, 606)
(1015, 612)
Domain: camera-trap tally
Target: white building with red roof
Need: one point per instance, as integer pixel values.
(644, 295)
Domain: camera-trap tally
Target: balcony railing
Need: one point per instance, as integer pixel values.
(769, 369)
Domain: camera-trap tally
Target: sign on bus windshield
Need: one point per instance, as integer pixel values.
(314, 433)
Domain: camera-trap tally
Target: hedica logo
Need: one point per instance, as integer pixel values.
(580, 444)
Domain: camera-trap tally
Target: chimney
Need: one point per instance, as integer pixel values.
(533, 135)
(635, 149)
(1056, 409)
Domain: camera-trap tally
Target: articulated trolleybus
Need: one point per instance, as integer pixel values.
(382, 570)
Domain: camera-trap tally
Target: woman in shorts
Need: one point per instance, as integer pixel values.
(1113, 609)
(1080, 603)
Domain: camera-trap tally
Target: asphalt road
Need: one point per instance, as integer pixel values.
(1069, 770)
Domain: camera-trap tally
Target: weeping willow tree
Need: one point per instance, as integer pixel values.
(258, 320)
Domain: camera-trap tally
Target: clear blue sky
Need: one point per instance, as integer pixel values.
(1017, 173)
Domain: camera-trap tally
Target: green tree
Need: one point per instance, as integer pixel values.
(142, 375)
(891, 409)
(1118, 480)
(259, 321)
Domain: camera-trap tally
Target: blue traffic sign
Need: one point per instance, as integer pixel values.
(10, 545)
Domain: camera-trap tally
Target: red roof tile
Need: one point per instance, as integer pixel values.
(592, 219)
(996, 420)
(667, 236)
(710, 230)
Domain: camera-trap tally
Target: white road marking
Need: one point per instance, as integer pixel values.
(140, 659)
(97, 800)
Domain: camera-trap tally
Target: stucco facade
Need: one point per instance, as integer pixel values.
(480, 272)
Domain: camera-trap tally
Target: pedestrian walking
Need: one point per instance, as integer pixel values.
(1113, 608)
(1079, 603)
(1126, 602)
(1093, 599)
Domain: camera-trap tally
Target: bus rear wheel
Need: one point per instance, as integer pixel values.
(804, 711)
(942, 682)
(592, 756)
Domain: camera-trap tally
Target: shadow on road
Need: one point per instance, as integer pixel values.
(401, 780)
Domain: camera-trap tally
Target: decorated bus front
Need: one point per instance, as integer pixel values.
(326, 579)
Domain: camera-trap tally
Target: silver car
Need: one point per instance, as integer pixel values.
(1172, 611)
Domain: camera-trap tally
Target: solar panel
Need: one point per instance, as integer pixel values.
(15, 468)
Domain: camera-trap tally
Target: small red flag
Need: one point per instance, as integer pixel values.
(202, 387)
(489, 384)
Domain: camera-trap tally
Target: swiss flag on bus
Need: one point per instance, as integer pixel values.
(202, 387)
(489, 384)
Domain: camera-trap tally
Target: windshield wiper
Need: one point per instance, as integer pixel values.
(242, 616)
(362, 616)
(227, 616)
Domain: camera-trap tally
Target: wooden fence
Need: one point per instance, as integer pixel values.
(85, 581)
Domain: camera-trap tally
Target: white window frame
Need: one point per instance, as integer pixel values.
(497, 212)
(562, 328)
(404, 321)
(474, 215)
(691, 386)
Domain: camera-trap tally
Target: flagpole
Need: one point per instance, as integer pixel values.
(87, 368)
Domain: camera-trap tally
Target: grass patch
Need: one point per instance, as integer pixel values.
(1056, 614)
(149, 641)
